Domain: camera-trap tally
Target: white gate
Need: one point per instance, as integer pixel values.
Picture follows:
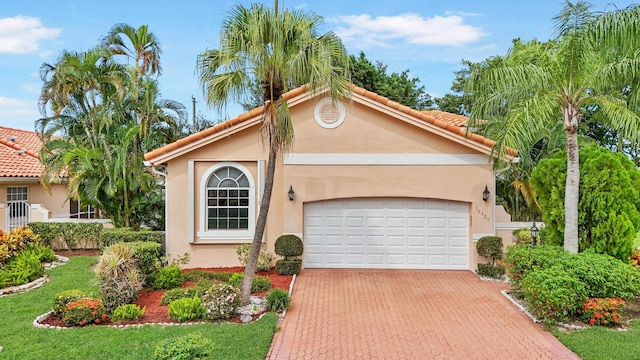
(18, 214)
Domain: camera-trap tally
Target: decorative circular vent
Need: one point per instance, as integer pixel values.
(329, 115)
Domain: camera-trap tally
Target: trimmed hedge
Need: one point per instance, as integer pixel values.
(490, 270)
(68, 232)
(288, 267)
(109, 237)
(148, 256)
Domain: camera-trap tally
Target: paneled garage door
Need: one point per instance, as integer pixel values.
(386, 234)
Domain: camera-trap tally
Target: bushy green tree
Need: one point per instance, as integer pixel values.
(399, 87)
(537, 85)
(609, 200)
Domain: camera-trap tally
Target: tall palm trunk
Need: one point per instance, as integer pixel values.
(250, 269)
(572, 190)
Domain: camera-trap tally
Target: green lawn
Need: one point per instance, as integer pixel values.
(601, 343)
(21, 340)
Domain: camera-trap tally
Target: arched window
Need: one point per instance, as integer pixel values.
(228, 200)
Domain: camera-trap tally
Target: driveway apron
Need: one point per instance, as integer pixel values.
(407, 314)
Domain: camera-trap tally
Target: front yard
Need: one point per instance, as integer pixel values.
(21, 340)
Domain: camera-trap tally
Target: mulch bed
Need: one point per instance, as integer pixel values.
(157, 313)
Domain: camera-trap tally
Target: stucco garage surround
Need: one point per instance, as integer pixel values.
(414, 184)
(387, 233)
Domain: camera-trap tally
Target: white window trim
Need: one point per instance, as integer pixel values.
(226, 236)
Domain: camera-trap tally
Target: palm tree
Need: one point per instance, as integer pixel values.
(280, 49)
(108, 115)
(144, 48)
(538, 84)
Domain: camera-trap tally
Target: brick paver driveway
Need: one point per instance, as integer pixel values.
(407, 314)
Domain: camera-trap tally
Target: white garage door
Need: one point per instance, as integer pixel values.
(386, 234)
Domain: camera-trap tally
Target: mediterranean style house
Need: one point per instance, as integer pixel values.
(22, 198)
(368, 183)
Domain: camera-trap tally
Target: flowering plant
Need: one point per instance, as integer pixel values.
(221, 301)
(597, 311)
(84, 312)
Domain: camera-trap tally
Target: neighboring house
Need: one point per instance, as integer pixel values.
(374, 184)
(22, 197)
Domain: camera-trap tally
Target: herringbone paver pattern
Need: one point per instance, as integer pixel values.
(407, 314)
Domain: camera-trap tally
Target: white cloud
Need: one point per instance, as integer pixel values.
(460, 13)
(32, 88)
(408, 27)
(11, 108)
(22, 34)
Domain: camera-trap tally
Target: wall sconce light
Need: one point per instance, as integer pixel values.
(291, 192)
(485, 193)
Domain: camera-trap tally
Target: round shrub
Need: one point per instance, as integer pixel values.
(221, 301)
(63, 298)
(490, 247)
(186, 309)
(278, 300)
(128, 312)
(553, 294)
(288, 267)
(187, 347)
(289, 246)
(169, 277)
(84, 311)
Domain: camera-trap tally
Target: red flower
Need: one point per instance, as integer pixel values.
(592, 321)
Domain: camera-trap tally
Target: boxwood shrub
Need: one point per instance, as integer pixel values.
(111, 236)
(148, 256)
(169, 277)
(490, 270)
(288, 267)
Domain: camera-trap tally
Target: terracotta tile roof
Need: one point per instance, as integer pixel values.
(455, 119)
(449, 122)
(19, 153)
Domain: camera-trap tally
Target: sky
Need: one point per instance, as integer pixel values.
(427, 37)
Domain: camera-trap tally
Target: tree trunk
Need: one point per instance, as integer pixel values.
(250, 269)
(572, 188)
